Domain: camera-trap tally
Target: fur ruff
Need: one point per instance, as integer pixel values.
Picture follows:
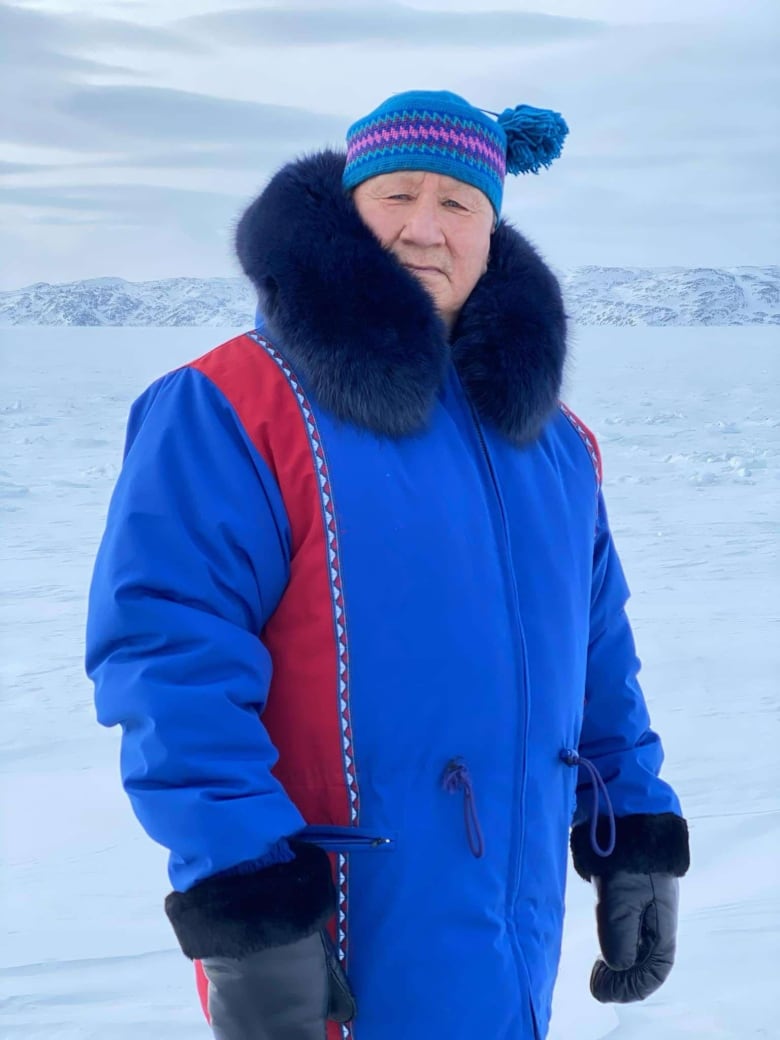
(645, 844)
(237, 915)
(363, 334)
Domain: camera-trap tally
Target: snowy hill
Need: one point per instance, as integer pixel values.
(594, 296)
(673, 295)
(216, 302)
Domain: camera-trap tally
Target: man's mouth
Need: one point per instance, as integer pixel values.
(423, 268)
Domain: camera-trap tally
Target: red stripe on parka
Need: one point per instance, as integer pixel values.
(302, 714)
(588, 439)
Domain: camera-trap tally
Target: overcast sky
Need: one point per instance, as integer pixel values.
(133, 132)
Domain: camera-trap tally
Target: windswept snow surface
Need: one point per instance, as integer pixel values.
(688, 424)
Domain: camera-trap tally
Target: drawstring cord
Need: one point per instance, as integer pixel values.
(573, 758)
(456, 778)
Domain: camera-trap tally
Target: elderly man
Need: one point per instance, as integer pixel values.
(359, 613)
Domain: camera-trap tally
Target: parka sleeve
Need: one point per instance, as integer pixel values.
(193, 561)
(618, 740)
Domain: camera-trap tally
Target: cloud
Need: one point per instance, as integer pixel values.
(110, 118)
(11, 169)
(259, 155)
(134, 203)
(388, 24)
(28, 33)
(45, 59)
(162, 113)
(251, 153)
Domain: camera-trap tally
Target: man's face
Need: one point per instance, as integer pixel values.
(437, 227)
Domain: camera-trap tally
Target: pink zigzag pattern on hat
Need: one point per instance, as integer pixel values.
(374, 139)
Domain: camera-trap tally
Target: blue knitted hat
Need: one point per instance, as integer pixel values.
(440, 132)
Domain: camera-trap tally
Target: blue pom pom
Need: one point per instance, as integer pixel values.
(534, 137)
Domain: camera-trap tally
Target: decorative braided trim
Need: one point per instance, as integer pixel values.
(588, 439)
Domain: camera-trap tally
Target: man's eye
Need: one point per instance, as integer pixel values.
(453, 204)
(400, 198)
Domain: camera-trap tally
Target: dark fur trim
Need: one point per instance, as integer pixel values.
(645, 844)
(237, 915)
(510, 340)
(356, 326)
(363, 334)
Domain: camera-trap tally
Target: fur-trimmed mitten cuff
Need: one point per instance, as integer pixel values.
(241, 914)
(644, 844)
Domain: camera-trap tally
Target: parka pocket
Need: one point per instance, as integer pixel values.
(333, 838)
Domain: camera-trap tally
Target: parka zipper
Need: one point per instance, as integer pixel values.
(518, 842)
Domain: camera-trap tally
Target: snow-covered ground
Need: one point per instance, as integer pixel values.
(688, 423)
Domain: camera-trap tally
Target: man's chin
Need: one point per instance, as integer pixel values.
(429, 283)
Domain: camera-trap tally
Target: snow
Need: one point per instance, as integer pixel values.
(687, 421)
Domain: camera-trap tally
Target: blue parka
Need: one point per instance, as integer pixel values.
(357, 586)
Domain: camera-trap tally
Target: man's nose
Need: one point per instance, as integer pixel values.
(423, 225)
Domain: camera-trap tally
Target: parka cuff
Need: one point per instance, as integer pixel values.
(645, 843)
(236, 915)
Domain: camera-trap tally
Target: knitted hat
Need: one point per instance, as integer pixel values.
(441, 132)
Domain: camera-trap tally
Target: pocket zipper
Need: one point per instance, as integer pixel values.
(333, 838)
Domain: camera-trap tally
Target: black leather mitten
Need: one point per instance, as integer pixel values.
(637, 898)
(636, 915)
(282, 993)
(273, 972)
